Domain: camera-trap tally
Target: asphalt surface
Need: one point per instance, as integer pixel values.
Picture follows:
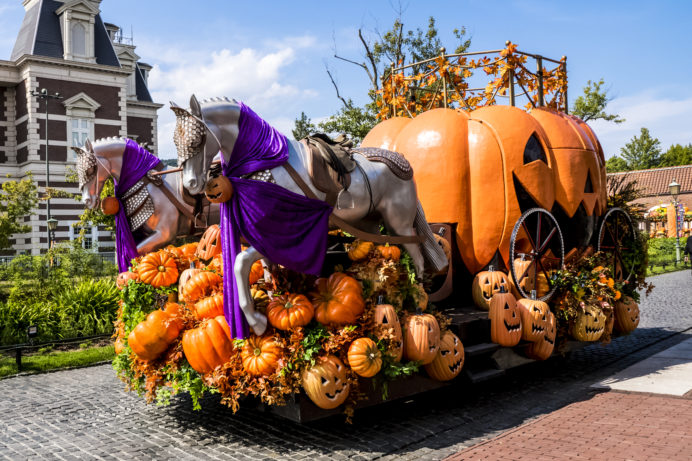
(86, 414)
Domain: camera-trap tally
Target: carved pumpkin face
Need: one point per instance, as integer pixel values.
(486, 284)
(325, 382)
(422, 339)
(535, 316)
(218, 190)
(525, 269)
(110, 206)
(210, 244)
(386, 316)
(589, 325)
(185, 277)
(449, 360)
(542, 349)
(626, 312)
(505, 320)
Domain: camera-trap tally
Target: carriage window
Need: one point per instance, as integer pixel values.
(534, 151)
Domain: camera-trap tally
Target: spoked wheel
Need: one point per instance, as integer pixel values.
(537, 237)
(615, 239)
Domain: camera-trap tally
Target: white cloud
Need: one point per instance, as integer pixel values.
(259, 78)
(668, 120)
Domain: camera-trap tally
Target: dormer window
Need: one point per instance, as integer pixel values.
(78, 40)
(77, 19)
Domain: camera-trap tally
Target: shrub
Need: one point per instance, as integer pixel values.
(88, 308)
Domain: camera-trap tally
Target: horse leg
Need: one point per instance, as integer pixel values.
(241, 271)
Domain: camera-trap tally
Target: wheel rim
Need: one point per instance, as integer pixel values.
(543, 237)
(614, 236)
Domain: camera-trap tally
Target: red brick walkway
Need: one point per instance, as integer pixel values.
(611, 426)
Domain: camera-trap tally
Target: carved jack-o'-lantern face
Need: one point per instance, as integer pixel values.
(505, 320)
(110, 206)
(449, 360)
(542, 349)
(218, 190)
(325, 382)
(589, 325)
(626, 313)
(486, 284)
(422, 338)
(210, 244)
(535, 316)
(386, 316)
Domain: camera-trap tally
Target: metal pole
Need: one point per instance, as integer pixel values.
(47, 177)
(444, 79)
(564, 58)
(512, 102)
(539, 65)
(677, 234)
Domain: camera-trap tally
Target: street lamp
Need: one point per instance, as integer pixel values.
(52, 225)
(674, 188)
(43, 94)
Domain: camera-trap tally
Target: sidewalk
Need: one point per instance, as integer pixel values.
(647, 415)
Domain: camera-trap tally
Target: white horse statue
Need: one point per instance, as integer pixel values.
(379, 194)
(155, 207)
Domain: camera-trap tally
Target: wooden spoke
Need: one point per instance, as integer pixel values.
(614, 237)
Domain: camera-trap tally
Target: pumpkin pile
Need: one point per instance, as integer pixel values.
(370, 320)
(588, 305)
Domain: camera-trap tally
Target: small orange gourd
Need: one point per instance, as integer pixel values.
(209, 307)
(261, 355)
(201, 284)
(256, 271)
(389, 252)
(158, 269)
(290, 311)
(359, 250)
(364, 357)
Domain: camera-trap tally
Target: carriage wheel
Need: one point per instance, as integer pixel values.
(615, 239)
(537, 236)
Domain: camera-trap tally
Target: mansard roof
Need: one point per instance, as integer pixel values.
(141, 86)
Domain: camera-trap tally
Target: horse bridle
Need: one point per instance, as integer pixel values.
(191, 128)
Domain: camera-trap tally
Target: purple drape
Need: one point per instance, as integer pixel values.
(136, 162)
(285, 227)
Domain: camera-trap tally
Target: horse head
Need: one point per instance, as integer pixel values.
(87, 175)
(195, 148)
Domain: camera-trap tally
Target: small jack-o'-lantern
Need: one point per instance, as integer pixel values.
(422, 338)
(385, 315)
(210, 243)
(219, 189)
(486, 284)
(185, 277)
(589, 325)
(110, 206)
(534, 318)
(449, 359)
(522, 267)
(505, 319)
(543, 348)
(325, 382)
(626, 313)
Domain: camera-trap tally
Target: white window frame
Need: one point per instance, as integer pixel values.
(93, 236)
(83, 108)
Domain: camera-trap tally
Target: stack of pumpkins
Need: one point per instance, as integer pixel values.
(337, 301)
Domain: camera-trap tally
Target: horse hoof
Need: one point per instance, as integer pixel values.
(259, 326)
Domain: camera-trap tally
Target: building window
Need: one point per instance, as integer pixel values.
(78, 40)
(80, 130)
(88, 237)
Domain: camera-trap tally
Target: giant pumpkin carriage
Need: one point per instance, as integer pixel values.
(511, 196)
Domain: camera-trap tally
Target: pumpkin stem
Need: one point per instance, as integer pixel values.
(161, 269)
(288, 305)
(257, 352)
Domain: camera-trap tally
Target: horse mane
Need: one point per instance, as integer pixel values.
(218, 99)
(101, 141)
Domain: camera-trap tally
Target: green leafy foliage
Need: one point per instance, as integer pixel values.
(677, 155)
(642, 152)
(88, 308)
(303, 127)
(392, 370)
(615, 164)
(315, 334)
(355, 121)
(17, 199)
(591, 105)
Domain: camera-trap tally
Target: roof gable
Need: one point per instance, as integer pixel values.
(82, 6)
(655, 182)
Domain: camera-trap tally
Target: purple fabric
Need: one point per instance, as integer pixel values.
(136, 162)
(285, 227)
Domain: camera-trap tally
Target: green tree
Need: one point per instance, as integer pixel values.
(17, 199)
(591, 105)
(642, 152)
(303, 127)
(677, 155)
(355, 121)
(616, 164)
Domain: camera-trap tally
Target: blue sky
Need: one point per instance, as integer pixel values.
(272, 55)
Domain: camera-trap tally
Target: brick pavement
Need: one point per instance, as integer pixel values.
(85, 413)
(612, 426)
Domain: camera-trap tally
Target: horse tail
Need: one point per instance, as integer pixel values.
(432, 251)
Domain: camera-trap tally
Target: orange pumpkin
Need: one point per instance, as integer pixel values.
(535, 318)
(261, 355)
(158, 269)
(185, 277)
(110, 206)
(290, 311)
(184, 252)
(359, 250)
(119, 345)
(209, 307)
(216, 264)
(209, 345)
(505, 319)
(210, 243)
(493, 163)
(338, 300)
(201, 284)
(325, 382)
(364, 357)
(151, 337)
(543, 349)
(422, 338)
(260, 299)
(449, 359)
(389, 252)
(386, 316)
(219, 189)
(256, 271)
(124, 277)
(486, 284)
(626, 314)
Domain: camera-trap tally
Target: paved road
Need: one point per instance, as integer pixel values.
(85, 414)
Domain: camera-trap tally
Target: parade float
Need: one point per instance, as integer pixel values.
(335, 281)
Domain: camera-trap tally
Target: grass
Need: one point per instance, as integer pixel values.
(46, 361)
(657, 269)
